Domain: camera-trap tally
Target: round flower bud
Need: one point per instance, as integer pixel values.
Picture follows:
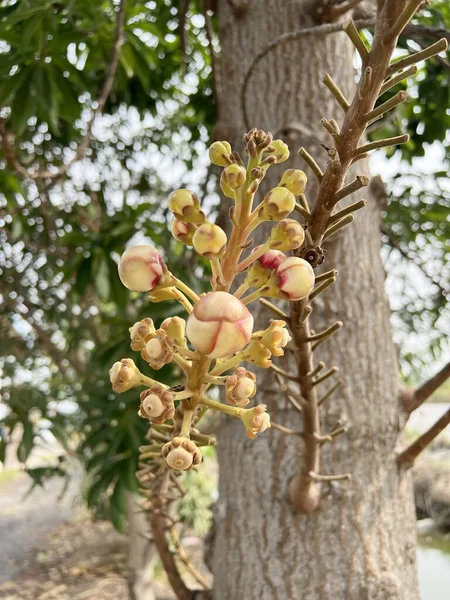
(185, 205)
(287, 235)
(294, 180)
(240, 387)
(181, 454)
(183, 232)
(124, 375)
(219, 153)
(271, 259)
(277, 204)
(281, 151)
(158, 350)
(234, 175)
(209, 240)
(141, 268)
(295, 278)
(256, 420)
(227, 191)
(175, 327)
(274, 338)
(139, 333)
(219, 325)
(157, 404)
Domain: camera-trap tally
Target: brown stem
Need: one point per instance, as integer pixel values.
(409, 455)
(412, 399)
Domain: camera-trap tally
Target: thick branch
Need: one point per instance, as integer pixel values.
(408, 456)
(412, 399)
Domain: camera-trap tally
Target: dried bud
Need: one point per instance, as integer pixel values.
(124, 375)
(234, 176)
(256, 420)
(257, 354)
(141, 268)
(157, 404)
(158, 350)
(240, 387)
(183, 232)
(219, 154)
(185, 205)
(277, 204)
(295, 278)
(175, 327)
(219, 325)
(181, 454)
(260, 271)
(287, 235)
(274, 338)
(209, 240)
(140, 333)
(294, 180)
(281, 151)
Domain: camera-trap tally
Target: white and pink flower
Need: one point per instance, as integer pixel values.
(141, 268)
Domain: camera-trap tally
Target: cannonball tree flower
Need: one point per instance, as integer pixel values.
(234, 176)
(219, 325)
(274, 338)
(157, 404)
(175, 327)
(294, 279)
(261, 270)
(256, 420)
(181, 453)
(141, 268)
(219, 154)
(240, 387)
(277, 204)
(288, 234)
(209, 240)
(158, 350)
(294, 180)
(140, 333)
(281, 151)
(258, 354)
(183, 232)
(124, 375)
(185, 205)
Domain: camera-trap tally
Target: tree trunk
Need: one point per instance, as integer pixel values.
(141, 555)
(361, 543)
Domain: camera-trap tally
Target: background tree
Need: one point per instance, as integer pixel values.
(64, 64)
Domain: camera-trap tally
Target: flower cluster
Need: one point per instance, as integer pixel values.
(217, 336)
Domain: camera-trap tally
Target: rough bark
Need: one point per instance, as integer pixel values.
(141, 555)
(360, 544)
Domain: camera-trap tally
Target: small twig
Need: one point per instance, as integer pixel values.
(332, 130)
(321, 287)
(398, 139)
(337, 11)
(317, 368)
(325, 397)
(285, 429)
(338, 225)
(305, 213)
(351, 208)
(340, 477)
(322, 335)
(415, 398)
(359, 182)
(337, 92)
(283, 373)
(416, 57)
(397, 79)
(274, 309)
(408, 456)
(311, 163)
(350, 29)
(380, 110)
(325, 376)
(411, 7)
(327, 275)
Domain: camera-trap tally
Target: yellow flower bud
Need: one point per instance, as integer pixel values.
(158, 350)
(294, 180)
(287, 235)
(274, 338)
(227, 191)
(219, 325)
(295, 278)
(175, 327)
(281, 152)
(219, 153)
(234, 175)
(209, 240)
(157, 404)
(185, 205)
(181, 454)
(255, 420)
(257, 354)
(240, 387)
(277, 204)
(183, 232)
(261, 270)
(139, 333)
(124, 375)
(141, 268)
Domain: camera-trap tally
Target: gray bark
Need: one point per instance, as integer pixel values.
(141, 554)
(361, 543)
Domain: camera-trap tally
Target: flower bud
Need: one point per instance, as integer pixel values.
(183, 232)
(181, 454)
(281, 151)
(256, 420)
(287, 235)
(141, 268)
(124, 375)
(140, 332)
(257, 354)
(274, 338)
(295, 278)
(209, 240)
(240, 387)
(158, 350)
(294, 180)
(277, 204)
(227, 191)
(260, 271)
(157, 404)
(219, 153)
(219, 325)
(185, 205)
(234, 176)
(175, 327)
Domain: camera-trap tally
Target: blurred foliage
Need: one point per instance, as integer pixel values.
(64, 311)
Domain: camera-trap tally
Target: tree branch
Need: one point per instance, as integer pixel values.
(408, 456)
(412, 399)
